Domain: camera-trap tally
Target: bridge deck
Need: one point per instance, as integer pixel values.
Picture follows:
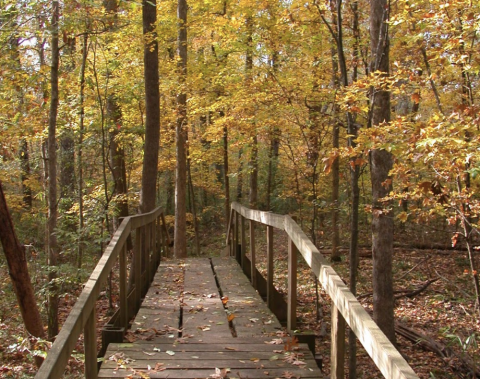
(202, 319)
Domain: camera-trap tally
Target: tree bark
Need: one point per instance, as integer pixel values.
(381, 163)
(152, 107)
(81, 127)
(226, 178)
(52, 177)
(18, 271)
(180, 237)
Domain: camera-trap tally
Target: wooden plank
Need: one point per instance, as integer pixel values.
(207, 373)
(252, 316)
(242, 373)
(387, 358)
(203, 312)
(195, 363)
(159, 313)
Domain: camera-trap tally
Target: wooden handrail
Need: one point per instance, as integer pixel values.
(82, 316)
(345, 306)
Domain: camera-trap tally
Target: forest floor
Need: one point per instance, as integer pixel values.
(443, 311)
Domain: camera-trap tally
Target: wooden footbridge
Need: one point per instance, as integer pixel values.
(206, 318)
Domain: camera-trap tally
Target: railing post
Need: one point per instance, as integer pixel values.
(292, 286)
(235, 236)
(123, 288)
(244, 243)
(138, 269)
(337, 355)
(90, 346)
(145, 259)
(253, 270)
(150, 253)
(164, 243)
(270, 287)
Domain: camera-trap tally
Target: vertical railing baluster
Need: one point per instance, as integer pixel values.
(292, 286)
(253, 270)
(123, 287)
(337, 355)
(235, 236)
(90, 346)
(148, 255)
(244, 243)
(270, 287)
(138, 268)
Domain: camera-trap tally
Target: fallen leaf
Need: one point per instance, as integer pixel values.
(231, 348)
(170, 352)
(219, 373)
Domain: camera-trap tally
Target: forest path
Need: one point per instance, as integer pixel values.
(201, 318)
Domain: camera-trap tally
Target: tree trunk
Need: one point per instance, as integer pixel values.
(18, 271)
(226, 179)
(52, 177)
(253, 195)
(25, 164)
(381, 162)
(80, 150)
(180, 237)
(152, 107)
(240, 176)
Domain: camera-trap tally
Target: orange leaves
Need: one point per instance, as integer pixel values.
(291, 344)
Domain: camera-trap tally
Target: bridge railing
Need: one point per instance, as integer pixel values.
(151, 238)
(345, 306)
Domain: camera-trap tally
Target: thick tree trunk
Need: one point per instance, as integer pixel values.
(381, 162)
(152, 107)
(52, 177)
(180, 237)
(18, 271)
(117, 156)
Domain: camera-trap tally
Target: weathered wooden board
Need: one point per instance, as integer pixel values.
(252, 316)
(159, 314)
(203, 312)
(207, 373)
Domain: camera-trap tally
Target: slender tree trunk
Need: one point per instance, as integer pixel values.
(226, 179)
(25, 164)
(52, 177)
(180, 237)
(253, 196)
(193, 207)
(18, 271)
(354, 177)
(272, 167)
(240, 176)
(152, 107)
(381, 162)
(80, 150)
